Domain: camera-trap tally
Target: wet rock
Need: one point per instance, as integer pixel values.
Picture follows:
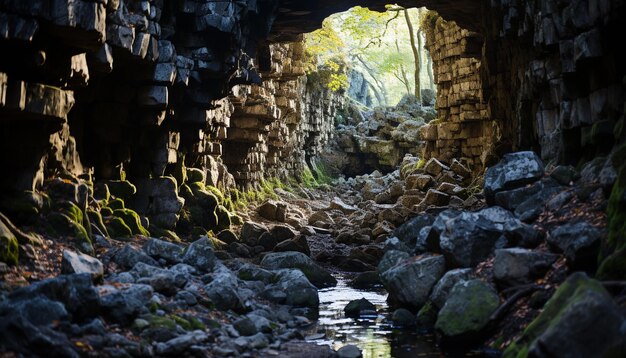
(403, 318)
(292, 287)
(580, 320)
(76, 262)
(366, 280)
(360, 307)
(410, 282)
(127, 257)
(349, 351)
(124, 304)
(315, 273)
(517, 266)
(160, 249)
(448, 281)
(513, 171)
(434, 167)
(391, 259)
(200, 255)
(579, 242)
(466, 312)
(471, 237)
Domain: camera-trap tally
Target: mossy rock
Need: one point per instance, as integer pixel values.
(96, 219)
(102, 192)
(577, 294)
(236, 220)
(132, 220)
(122, 189)
(223, 218)
(117, 228)
(466, 313)
(64, 225)
(115, 204)
(215, 191)
(196, 187)
(427, 316)
(616, 215)
(106, 211)
(185, 192)
(72, 211)
(22, 206)
(613, 267)
(165, 234)
(195, 175)
(9, 247)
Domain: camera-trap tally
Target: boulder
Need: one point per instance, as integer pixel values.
(360, 307)
(434, 167)
(76, 262)
(410, 282)
(419, 181)
(471, 237)
(444, 286)
(251, 231)
(513, 171)
(292, 259)
(272, 210)
(466, 312)
(127, 257)
(161, 249)
(435, 198)
(580, 242)
(123, 304)
(338, 204)
(580, 320)
(390, 259)
(223, 291)
(517, 266)
(293, 288)
(9, 248)
(564, 174)
(403, 318)
(349, 351)
(409, 231)
(459, 169)
(366, 280)
(200, 255)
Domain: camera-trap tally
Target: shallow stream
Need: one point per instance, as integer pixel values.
(375, 334)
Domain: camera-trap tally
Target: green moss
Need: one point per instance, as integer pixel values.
(195, 175)
(62, 224)
(122, 189)
(117, 228)
(216, 192)
(576, 287)
(9, 248)
(615, 243)
(162, 322)
(115, 204)
(132, 220)
(106, 211)
(223, 218)
(168, 235)
(96, 219)
(427, 315)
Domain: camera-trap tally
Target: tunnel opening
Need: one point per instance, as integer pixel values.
(377, 67)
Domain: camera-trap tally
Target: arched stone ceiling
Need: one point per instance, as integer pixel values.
(301, 16)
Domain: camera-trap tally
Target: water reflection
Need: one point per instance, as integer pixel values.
(374, 334)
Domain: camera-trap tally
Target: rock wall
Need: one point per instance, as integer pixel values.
(463, 128)
(555, 78)
(279, 128)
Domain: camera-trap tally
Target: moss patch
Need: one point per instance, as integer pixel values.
(9, 248)
(575, 288)
(117, 228)
(132, 220)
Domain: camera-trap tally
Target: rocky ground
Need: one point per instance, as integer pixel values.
(506, 262)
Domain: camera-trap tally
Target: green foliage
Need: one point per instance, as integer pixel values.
(9, 249)
(132, 220)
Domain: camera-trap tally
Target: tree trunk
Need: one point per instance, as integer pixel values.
(404, 79)
(416, 55)
(429, 70)
(376, 81)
